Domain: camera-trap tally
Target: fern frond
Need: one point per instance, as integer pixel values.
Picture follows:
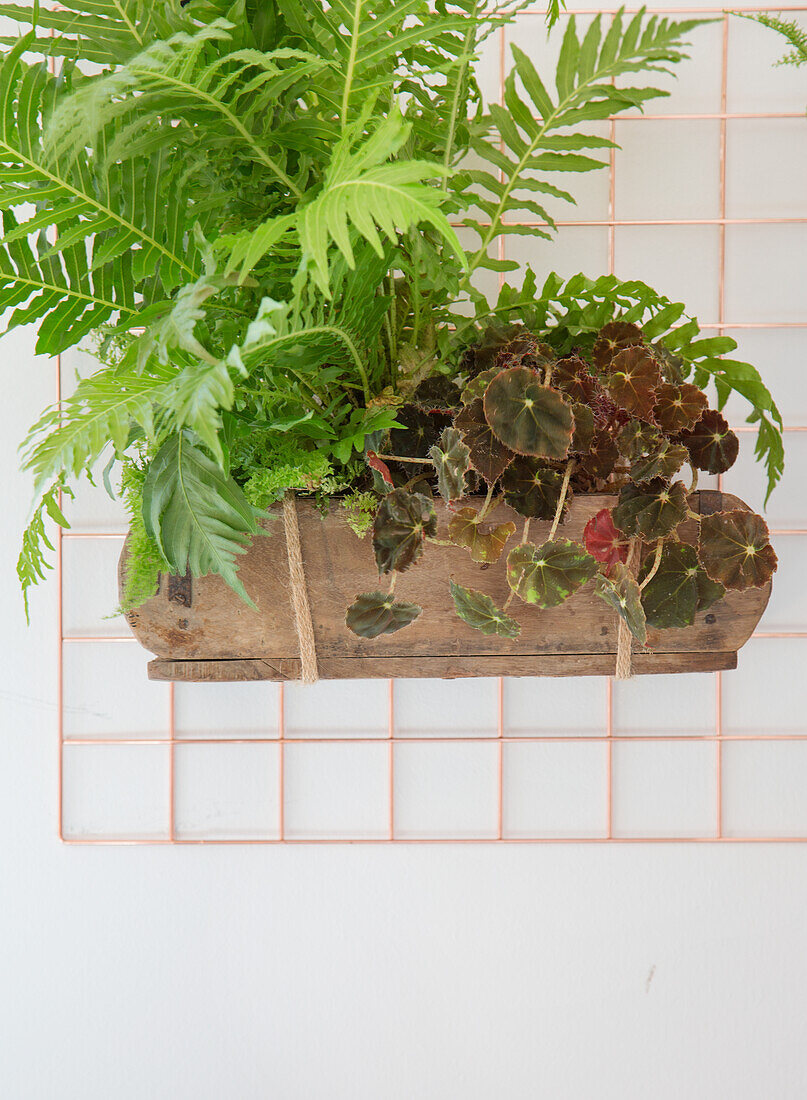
(790, 29)
(32, 563)
(105, 32)
(69, 438)
(199, 518)
(533, 125)
(193, 78)
(364, 192)
(114, 230)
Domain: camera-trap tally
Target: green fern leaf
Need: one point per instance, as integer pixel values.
(117, 213)
(190, 78)
(199, 519)
(586, 91)
(69, 439)
(32, 563)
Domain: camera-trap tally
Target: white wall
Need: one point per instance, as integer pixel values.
(467, 971)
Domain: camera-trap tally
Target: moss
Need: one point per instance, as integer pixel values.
(145, 561)
(287, 467)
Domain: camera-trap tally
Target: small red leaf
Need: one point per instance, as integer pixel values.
(375, 463)
(603, 541)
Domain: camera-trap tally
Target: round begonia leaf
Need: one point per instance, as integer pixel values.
(636, 438)
(601, 457)
(632, 381)
(665, 461)
(620, 591)
(402, 522)
(420, 431)
(437, 394)
(527, 417)
(652, 509)
(678, 407)
(451, 458)
(612, 339)
(572, 376)
(488, 454)
(477, 386)
(735, 550)
(670, 598)
(532, 488)
(547, 575)
(583, 428)
(480, 612)
(712, 445)
(603, 541)
(376, 613)
(483, 541)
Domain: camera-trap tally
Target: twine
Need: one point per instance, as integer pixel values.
(624, 638)
(299, 593)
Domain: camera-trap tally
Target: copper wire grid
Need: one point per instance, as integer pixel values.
(609, 738)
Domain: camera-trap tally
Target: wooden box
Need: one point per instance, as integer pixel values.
(200, 630)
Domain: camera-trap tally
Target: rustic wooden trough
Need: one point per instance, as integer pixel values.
(200, 630)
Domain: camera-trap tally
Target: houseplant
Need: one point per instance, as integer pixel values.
(253, 209)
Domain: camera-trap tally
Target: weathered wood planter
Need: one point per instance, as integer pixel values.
(201, 631)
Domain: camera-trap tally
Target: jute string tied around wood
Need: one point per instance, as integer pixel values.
(624, 638)
(299, 593)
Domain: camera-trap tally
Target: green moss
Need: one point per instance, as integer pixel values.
(287, 467)
(145, 562)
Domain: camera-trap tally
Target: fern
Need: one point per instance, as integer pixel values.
(132, 217)
(363, 191)
(105, 32)
(144, 562)
(69, 438)
(194, 79)
(32, 563)
(534, 131)
(200, 519)
(790, 29)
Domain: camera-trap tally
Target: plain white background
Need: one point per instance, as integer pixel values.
(467, 971)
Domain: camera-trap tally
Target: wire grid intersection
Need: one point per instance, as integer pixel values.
(392, 744)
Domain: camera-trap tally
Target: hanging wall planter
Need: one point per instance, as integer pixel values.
(258, 221)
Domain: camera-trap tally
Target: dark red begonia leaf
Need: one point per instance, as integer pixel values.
(532, 488)
(678, 407)
(712, 445)
(632, 381)
(652, 510)
(420, 431)
(529, 418)
(437, 394)
(735, 550)
(615, 336)
(488, 454)
(402, 522)
(602, 456)
(665, 461)
(376, 613)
